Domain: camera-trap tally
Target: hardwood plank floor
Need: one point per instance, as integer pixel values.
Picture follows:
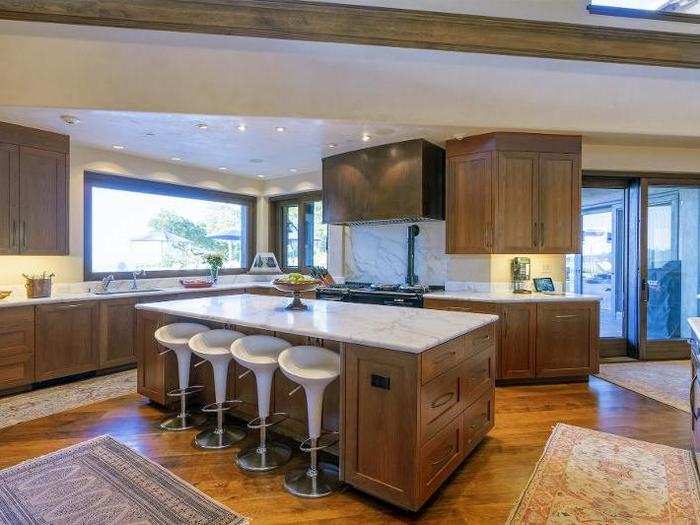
(481, 491)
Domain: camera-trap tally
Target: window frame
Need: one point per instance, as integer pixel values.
(94, 179)
(277, 206)
(627, 12)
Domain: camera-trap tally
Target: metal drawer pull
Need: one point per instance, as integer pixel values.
(571, 316)
(247, 372)
(692, 402)
(160, 354)
(442, 400)
(198, 363)
(295, 391)
(68, 306)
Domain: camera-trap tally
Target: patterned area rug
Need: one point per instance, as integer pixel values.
(47, 401)
(665, 381)
(585, 476)
(99, 482)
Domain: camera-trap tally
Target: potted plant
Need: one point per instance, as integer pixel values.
(215, 262)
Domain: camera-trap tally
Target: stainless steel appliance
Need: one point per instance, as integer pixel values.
(385, 294)
(520, 272)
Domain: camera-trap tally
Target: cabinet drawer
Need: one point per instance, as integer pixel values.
(16, 370)
(478, 375)
(440, 456)
(480, 339)
(477, 420)
(440, 401)
(16, 331)
(441, 358)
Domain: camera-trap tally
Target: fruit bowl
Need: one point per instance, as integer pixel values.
(296, 288)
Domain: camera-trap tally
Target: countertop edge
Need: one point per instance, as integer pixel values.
(89, 296)
(157, 307)
(486, 297)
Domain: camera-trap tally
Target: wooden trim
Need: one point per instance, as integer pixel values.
(668, 16)
(103, 180)
(275, 224)
(614, 174)
(355, 24)
(35, 138)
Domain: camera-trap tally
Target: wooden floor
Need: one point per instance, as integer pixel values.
(482, 491)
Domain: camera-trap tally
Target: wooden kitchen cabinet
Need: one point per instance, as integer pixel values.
(66, 339)
(566, 339)
(34, 175)
(16, 347)
(518, 339)
(117, 332)
(537, 342)
(514, 193)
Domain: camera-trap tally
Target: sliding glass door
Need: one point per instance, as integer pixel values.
(670, 266)
(600, 268)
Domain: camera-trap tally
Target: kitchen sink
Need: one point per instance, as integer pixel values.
(121, 292)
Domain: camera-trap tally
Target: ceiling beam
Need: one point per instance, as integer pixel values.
(323, 22)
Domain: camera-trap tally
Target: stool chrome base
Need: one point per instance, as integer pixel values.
(258, 459)
(183, 422)
(214, 438)
(303, 483)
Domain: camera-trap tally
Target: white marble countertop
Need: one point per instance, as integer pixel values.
(19, 298)
(694, 323)
(509, 297)
(412, 330)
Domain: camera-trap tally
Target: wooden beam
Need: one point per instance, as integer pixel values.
(322, 22)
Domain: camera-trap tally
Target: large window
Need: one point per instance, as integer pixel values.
(300, 236)
(676, 10)
(164, 229)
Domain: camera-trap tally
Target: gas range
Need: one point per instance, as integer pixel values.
(386, 294)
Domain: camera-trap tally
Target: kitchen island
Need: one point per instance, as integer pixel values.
(415, 394)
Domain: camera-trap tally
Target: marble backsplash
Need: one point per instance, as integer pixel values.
(378, 253)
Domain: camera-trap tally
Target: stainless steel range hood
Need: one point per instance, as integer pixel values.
(399, 182)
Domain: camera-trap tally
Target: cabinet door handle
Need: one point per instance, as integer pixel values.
(535, 235)
(24, 235)
(442, 400)
(571, 316)
(542, 235)
(692, 402)
(68, 306)
(14, 233)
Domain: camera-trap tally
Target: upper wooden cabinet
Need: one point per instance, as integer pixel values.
(513, 193)
(33, 191)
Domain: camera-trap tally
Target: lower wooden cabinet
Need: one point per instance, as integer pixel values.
(539, 341)
(117, 332)
(566, 339)
(405, 436)
(66, 339)
(16, 347)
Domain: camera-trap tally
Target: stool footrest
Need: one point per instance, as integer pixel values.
(255, 424)
(306, 448)
(181, 392)
(223, 407)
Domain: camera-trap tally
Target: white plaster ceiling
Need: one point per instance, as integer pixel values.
(259, 150)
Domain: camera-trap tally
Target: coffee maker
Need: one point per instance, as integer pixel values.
(520, 273)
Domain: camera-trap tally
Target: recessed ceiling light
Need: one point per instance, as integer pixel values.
(176, 159)
(241, 127)
(256, 161)
(201, 126)
(332, 145)
(261, 176)
(223, 168)
(280, 129)
(118, 146)
(366, 137)
(70, 119)
(150, 134)
(293, 170)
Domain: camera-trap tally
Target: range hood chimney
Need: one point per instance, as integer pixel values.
(399, 182)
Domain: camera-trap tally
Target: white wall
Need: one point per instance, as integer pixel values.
(70, 268)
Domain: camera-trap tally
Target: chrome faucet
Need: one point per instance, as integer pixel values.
(106, 282)
(135, 275)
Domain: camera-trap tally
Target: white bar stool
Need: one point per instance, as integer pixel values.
(259, 353)
(314, 368)
(175, 337)
(215, 346)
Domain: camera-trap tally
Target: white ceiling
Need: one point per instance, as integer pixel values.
(258, 151)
